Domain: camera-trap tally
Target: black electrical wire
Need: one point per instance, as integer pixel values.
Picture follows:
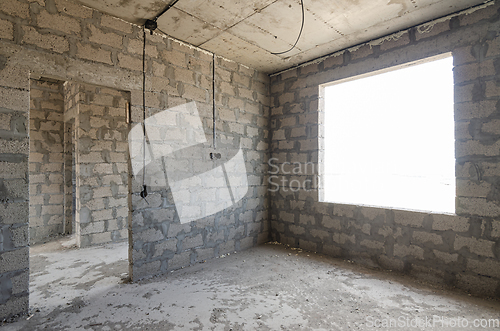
(300, 33)
(166, 9)
(144, 192)
(213, 99)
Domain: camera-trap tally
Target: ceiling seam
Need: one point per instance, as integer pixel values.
(218, 34)
(326, 23)
(269, 33)
(253, 13)
(373, 41)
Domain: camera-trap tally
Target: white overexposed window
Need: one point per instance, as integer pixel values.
(389, 138)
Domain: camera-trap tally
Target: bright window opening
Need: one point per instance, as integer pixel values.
(389, 139)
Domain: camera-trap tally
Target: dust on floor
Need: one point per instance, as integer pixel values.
(270, 287)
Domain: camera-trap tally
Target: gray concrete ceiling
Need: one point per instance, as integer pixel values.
(249, 31)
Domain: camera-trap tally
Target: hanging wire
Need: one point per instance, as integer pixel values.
(213, 99)
(144, 192)
(300, 33)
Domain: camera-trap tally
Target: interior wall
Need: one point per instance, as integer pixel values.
(68, 42)
(101, 165)
(71, 101)
(46, 160)
(461, 250)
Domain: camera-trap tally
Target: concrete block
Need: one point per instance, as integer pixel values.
(466, 73)
(151, 235)
(72, 9)
(373, 244)
(205, 254)
(93, 53)
(431, 29)
(195, 93)
(404, 251)
(492, 89)
(488, 267)
(477, 206)
(343, 210)
(285, 98)
(227, 247)
(20, 283)
(174, 57)
(102, 215)
(47, 41)
(13, 260)
(143, 270)
(6, 30)
(495, 231)
(263, 238)
(449, 222)
(391, 263)
(464, 93)
(101, 238)
(398, 41)
(99, 37)
(298, 230)
(320, 234)
(64, 24)
(241, 80)
(179, 260)
(165, 246)
(15, 8)
(14, 305)
(446, 257)
(477, 246)
(421, 237)
(407, 218)
(307, 245)
(473, 18)
(18, 235)
(494, 47)
(175, 229)
(246, 243)
(191, 242)
(129, 62)
(92, 227)
(343, 238)
(52, 210)
(116, 24)
(95, 204)
(287, 217)
(14, 99)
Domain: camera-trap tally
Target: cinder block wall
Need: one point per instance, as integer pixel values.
(64, 41)
(14, 192)
(159, 240)
(46, 160)
(102, 176)
(71, 101)
(461, 250)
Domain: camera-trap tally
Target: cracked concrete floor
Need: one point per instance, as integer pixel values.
(270, 287)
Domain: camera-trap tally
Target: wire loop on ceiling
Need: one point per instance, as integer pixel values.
(300, 33)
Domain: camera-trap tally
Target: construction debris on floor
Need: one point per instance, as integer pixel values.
(270, 287)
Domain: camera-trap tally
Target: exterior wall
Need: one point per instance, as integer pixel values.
(88, 47)
(46, 160)
(461, 250)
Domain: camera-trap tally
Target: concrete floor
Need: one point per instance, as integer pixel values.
(270, 287)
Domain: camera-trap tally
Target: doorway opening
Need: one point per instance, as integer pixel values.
(79, 183)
